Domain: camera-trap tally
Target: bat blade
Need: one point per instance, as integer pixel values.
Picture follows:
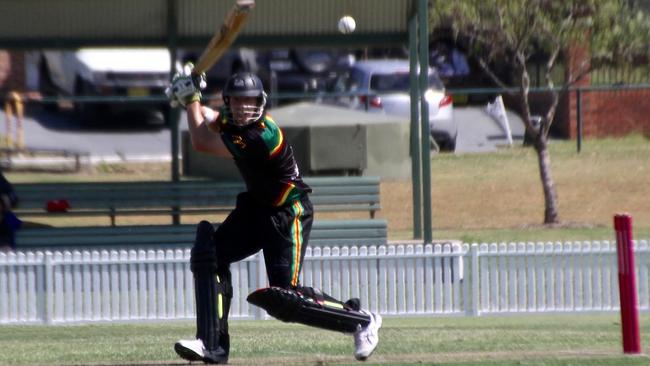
(224, 37)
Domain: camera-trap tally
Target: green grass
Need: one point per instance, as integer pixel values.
(489, 197)
(495, 340)
(535, 234)
(479, 197)
(498, 196)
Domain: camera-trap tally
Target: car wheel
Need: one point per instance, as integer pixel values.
(83, 110)
(448, 144)
(444, 143)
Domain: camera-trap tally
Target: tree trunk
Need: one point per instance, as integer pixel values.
(551, 215)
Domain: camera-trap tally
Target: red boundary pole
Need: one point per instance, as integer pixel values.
(627, 284)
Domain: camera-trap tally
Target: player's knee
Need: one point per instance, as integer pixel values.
(204, 233)
(203, 256)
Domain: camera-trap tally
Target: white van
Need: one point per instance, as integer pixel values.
(105, 72)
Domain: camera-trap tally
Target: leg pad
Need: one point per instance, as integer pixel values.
(295, 307)
(212, 294)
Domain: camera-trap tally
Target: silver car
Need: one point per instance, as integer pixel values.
(382, 86)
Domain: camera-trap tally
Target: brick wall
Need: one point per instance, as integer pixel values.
(614, 113)
(605, 113)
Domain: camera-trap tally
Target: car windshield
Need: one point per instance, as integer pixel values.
(398, 82)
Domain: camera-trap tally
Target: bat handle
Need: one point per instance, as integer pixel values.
(198, 78)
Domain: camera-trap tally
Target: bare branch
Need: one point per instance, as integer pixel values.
(524, 89)
(550, 114)
(486, 68)
(524, 105)
(550, 64)
(583, 69)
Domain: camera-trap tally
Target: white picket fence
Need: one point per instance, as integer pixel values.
(92, 286)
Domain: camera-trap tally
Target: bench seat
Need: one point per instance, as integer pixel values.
(113, 199)
(324, 233)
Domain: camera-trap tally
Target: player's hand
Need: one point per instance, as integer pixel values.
(185, 87)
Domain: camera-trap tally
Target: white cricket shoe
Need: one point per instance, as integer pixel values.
(190, 349)
(366, 338)
(194, 350)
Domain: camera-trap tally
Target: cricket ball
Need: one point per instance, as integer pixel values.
(347, 24)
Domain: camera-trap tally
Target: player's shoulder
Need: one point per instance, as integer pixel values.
(269, 123)
(271, 134)
(268, 126)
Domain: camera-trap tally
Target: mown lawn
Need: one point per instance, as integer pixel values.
(480, 197)
(572, 339)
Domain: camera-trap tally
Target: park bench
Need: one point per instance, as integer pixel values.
(74, 158)
(146, 198)
(324, 233)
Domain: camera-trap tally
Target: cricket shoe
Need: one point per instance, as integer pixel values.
(193, 350)
(366, 338)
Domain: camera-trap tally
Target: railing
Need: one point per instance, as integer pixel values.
(404, 280)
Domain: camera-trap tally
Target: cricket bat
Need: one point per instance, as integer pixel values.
(224, 37)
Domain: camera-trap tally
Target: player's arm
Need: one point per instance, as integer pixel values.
(185, 89)
(203, 127)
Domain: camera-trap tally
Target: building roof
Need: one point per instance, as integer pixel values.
(73, 23)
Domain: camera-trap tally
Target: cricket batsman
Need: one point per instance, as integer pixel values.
(274, 215)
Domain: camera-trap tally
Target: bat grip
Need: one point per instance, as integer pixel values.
(198, 79)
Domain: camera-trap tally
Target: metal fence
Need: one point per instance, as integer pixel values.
(395, 280)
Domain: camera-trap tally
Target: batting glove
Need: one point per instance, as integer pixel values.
(185, 88)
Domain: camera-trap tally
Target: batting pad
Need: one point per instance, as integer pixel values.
(294, 307)
(212, 296)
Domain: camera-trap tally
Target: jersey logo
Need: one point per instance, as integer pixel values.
(237, 140)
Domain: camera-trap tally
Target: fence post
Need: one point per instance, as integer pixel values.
(260, 278)
(474, 280)
(49, 289)
(627, 284)
(579, 119)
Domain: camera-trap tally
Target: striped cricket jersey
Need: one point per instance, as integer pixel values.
(264, 159)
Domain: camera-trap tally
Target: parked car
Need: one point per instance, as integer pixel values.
(301, 70)
(232, 61)
(382, 86)
(282, 70)
(105, 72)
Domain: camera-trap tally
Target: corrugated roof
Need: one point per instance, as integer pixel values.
(73, 23)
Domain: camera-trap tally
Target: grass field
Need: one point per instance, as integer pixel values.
(476, 198)
(496, 340)
(486, 197)
(479, 197)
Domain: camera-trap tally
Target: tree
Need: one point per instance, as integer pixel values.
(509, 32)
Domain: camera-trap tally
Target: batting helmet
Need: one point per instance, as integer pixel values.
(245, 84)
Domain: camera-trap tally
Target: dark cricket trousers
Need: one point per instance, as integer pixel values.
(282, 233)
